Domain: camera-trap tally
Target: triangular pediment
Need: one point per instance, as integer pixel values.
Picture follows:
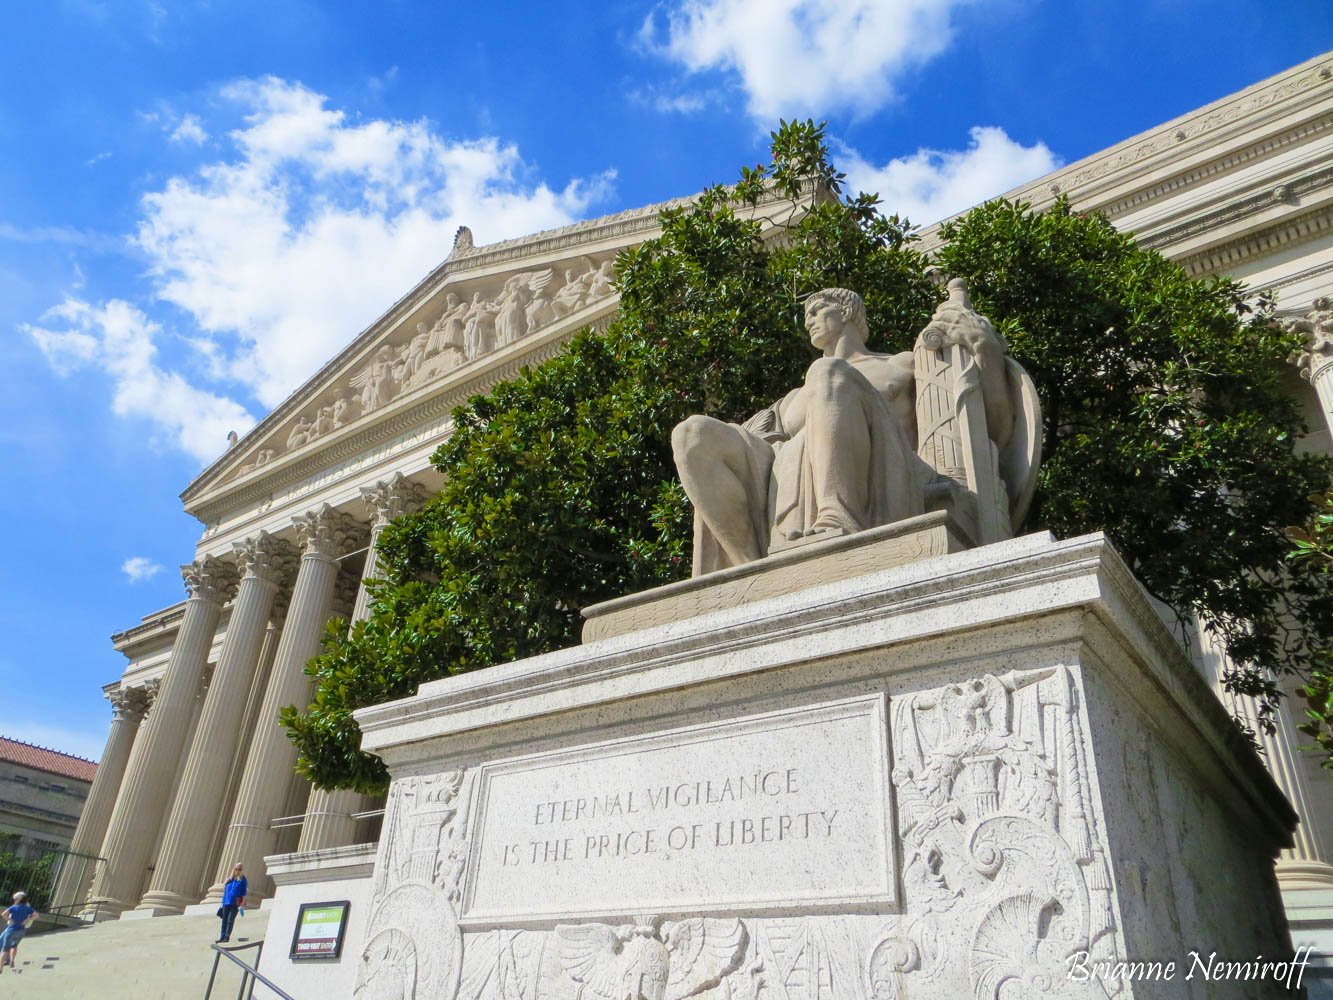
(477, 313)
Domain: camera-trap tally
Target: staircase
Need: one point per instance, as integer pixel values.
(164, 958)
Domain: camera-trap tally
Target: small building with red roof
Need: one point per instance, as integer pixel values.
(42, 794)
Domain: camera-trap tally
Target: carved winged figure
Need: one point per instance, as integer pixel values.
(646, 960)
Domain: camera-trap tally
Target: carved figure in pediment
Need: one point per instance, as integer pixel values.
(573, 292)
(479, 327)
(300, 434)
(346, 408)
(415, 354)
(603, 281)
(262, 457)
(868, 439)
(447, 333)
(324, 421)
(511, 322)
(376, 381)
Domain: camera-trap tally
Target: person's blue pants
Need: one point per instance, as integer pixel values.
(228, 918)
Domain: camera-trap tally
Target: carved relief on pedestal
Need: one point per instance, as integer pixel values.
(414, 947)
(477, 318)
(1005, 877)
(1003, 860)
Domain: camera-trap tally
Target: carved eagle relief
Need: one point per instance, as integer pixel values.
(646, 960)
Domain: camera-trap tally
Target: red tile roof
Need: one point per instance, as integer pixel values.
(47, 760)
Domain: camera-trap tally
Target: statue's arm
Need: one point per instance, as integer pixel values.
(956, 322)
(770, 422)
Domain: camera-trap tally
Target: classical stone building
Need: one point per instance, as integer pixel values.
(43, 796)
(196, 774)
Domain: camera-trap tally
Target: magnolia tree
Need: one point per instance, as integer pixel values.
(1166, 426)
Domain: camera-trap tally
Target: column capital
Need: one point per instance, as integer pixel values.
(210, 579)
(127, 702)
(330, 533)
(1316, 329)
(392, 498)
(268, 558)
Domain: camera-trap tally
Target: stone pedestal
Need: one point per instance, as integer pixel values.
(986, 774)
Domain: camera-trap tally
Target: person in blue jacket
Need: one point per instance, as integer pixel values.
(233, 900)
(17, 918)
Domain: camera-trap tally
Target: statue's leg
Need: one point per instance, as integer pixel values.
(838, 415)
(713, 463)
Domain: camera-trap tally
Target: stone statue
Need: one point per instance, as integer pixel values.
(479, 328)
(448, 329)
(376, 381)
(570, 297)
(868, 439)
(301, 433)
(511, 322)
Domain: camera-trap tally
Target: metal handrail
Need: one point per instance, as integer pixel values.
(250, 975)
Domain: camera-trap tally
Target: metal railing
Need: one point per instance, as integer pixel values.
(250, 974)
(56, 882)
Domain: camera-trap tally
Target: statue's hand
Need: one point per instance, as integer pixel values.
(956, 323)
(766, 424)
(960, 325)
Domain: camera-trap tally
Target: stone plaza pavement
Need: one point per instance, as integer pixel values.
(167, 959)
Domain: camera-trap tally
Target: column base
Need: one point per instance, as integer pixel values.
(1296, 875)
(147, 912)
(160, 903)
(105, 909)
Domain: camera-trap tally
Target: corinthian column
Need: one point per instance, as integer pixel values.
(127, 707)
(138, 814)
(1315, 360)
(197, 810)
(1305, 865)
(326, 536)
(329, 818)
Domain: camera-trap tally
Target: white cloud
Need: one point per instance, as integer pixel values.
(933, 184)
(805, 57)
(140, 568)
(119, 339)
(281, 252)
(190, 129)
(285, 253)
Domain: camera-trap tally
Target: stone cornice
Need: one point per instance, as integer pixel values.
(1225, 256)
(1238, 129)
(158, 623)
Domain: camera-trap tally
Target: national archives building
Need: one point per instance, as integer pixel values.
(197, 775)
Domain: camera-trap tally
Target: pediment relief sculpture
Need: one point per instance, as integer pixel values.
(468, 327)
(868, 439)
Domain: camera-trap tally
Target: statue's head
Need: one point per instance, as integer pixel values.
(850, 305)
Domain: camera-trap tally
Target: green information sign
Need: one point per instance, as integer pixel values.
(319, 930)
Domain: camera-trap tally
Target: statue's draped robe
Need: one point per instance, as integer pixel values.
(780, 481)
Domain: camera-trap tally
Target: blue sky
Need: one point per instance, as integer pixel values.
(201, 202)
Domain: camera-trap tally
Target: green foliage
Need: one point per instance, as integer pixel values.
(1166, 426)
(1167, 423)
(35, 876)
(1312, 550)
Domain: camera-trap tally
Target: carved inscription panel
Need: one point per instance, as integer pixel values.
(786, 809)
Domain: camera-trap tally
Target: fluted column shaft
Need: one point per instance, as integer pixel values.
(76, 876)
(197, 810)
(326, 535)
(1306, 861)
(138, 813)
(329, 815)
